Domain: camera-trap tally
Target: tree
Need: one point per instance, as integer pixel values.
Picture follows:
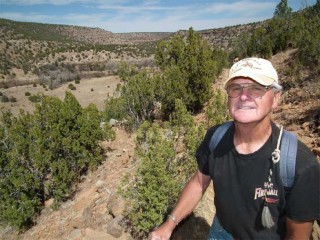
(155, 187)
(125, 71)
(139, 96)
(189, 68)
(161, 173)
(241, 45)
(43, 154)
(282, 10)
(309, 43)
(260, 44)
(20, 182)
(217, 110)
(280, 27)
(114, 109)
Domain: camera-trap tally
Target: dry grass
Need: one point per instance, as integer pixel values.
(93, 90)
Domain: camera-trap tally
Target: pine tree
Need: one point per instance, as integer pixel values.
(189, 68)
(41, 155)
(282, 9)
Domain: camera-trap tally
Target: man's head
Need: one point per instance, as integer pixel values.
(258, 69)
(253, 90)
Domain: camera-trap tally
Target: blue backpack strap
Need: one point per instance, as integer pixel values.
(218, 134)
(216, 230)
(288, 155)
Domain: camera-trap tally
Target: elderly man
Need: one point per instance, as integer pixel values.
(252, 201)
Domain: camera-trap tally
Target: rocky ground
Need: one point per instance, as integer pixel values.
(95, 211)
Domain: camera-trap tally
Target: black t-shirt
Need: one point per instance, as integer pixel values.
(240, 181)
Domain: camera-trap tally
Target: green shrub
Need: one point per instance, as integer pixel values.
(34, 98)
(109, 133)
(61, 140)
(114, 109)
(217, 111)
(309, 46)
(4, 98)
(139, 96)
(189, 67)
(156, 187)
(125, 71)
(27, 94)
(191, 133)
(72, 87)
(153, 191)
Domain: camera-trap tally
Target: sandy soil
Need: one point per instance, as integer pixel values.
(94, 90)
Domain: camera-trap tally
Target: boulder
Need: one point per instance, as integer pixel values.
(114, 228)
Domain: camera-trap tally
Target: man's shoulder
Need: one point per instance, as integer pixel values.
(218, 133)
(305, 157)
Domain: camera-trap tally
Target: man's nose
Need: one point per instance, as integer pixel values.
(244, 94)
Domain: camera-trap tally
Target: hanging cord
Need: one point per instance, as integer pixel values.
(276, 153)
(267, 220)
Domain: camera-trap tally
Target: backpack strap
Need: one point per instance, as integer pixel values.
(218, 134)
(288, 155)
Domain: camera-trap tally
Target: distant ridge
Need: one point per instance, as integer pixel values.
(27, 47)
(222, 37)
(58, 32)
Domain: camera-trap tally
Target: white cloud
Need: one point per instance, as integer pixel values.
(56, 2)
(240, 6)
(32, 17)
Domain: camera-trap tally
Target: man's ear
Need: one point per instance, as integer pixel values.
(276, 99)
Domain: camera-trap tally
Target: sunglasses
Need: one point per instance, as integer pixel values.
(254, 90)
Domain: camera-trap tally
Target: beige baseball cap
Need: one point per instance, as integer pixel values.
(258, 69)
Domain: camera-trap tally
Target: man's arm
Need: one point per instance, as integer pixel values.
(298, 230)
(190, 197)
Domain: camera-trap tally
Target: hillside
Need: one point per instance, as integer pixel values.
(65, 33)
(30, 50)
(53, 59)
(27, 50)
(95, 212)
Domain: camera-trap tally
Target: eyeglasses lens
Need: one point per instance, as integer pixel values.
(253, 90)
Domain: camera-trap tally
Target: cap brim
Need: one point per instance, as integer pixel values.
(261, 79)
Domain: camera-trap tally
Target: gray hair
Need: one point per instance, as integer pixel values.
(276, 86)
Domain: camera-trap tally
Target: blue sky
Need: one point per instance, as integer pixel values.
(121, 16)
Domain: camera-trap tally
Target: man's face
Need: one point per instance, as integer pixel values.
(246, 108)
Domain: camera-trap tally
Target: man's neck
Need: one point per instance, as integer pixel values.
(249, 137)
